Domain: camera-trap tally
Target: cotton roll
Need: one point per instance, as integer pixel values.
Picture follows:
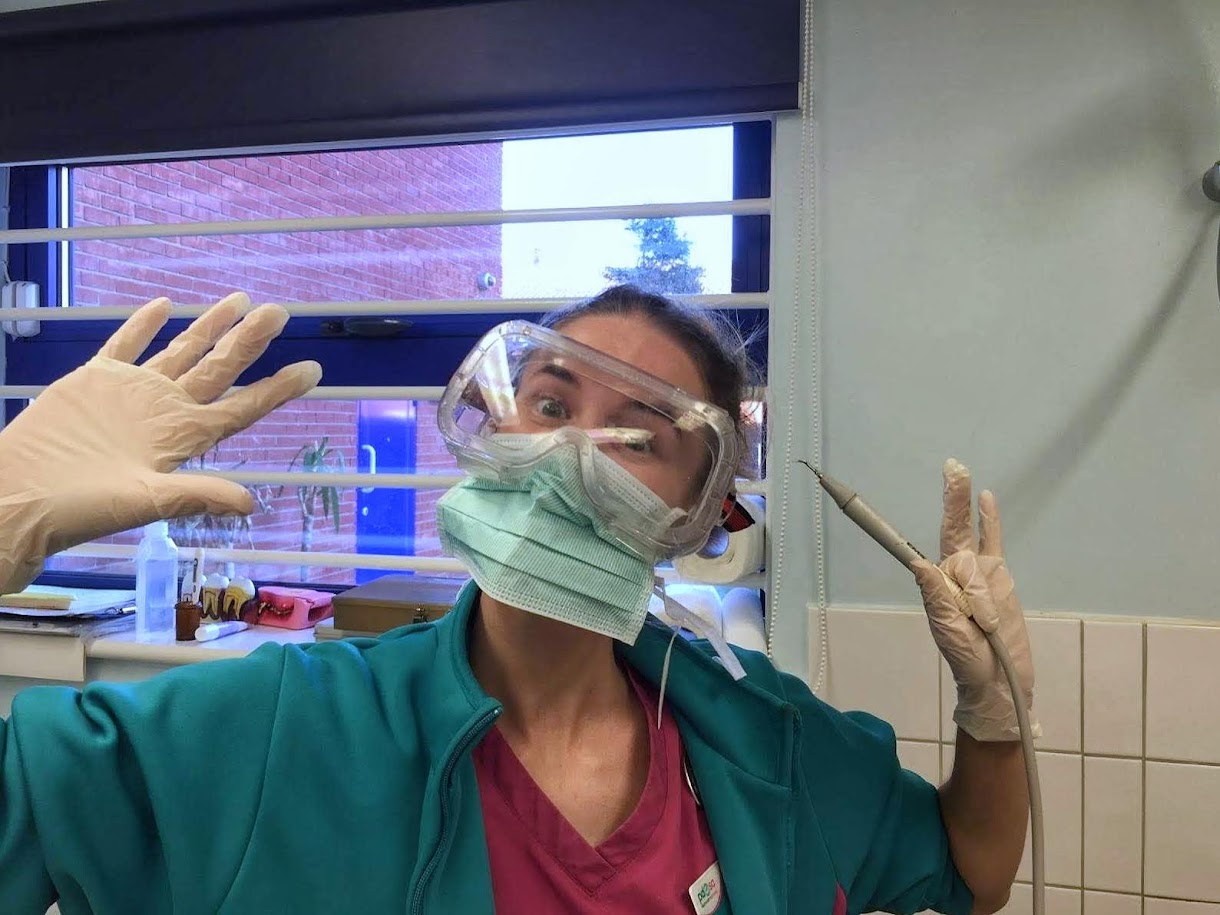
(744, 554)
(742, 615)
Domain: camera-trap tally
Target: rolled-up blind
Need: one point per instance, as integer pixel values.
(150, 77)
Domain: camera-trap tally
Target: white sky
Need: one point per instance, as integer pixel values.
(560, 259)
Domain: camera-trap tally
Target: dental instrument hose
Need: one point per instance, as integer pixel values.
(905, 552)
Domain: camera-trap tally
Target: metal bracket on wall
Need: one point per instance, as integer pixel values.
(1211, 183)
(1211, 189)
(23, 295)
(365, 327)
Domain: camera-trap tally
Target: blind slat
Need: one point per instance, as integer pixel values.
(351, 392)
(380, 480)
(287, 558)
(752, 207)
(362, 480)
(335, 392)
(383, 308)
(347, 560)
(383, 480)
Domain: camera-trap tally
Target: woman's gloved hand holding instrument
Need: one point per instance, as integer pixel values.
(95, 453)
(984, 701)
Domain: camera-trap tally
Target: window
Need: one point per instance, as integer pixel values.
(465, 277)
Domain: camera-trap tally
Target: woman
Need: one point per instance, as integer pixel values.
(616, 769)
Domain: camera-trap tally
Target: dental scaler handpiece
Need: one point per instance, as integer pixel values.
(868, 520)
(884, 533)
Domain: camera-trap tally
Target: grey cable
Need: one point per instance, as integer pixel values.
(1034, 786)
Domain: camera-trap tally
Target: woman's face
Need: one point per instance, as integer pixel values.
(670, 462)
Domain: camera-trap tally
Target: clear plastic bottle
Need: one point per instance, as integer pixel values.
(156, 580)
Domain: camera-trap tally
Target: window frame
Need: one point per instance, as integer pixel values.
(424, 354)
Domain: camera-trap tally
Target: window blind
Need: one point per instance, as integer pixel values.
(158, 77)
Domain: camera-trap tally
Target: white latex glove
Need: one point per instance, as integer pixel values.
(984, 702)
(94, 454)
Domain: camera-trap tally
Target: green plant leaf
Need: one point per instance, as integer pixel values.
(318, 457)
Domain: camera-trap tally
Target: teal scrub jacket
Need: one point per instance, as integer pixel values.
(337, 777)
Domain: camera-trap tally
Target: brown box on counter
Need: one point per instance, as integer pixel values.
(395, 600)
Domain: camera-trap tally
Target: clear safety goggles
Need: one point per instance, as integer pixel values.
(524, 391)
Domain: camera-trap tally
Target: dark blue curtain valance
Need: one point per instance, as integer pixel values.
(127, 78)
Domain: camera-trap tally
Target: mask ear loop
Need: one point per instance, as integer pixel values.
(690, 782)
(688, 620)
(669, 651)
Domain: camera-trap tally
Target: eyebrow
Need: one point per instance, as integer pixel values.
(558, 371)
(640, 406)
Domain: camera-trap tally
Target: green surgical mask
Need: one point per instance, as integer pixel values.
(539, 544)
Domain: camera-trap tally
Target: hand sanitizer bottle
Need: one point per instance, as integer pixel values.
(156, 581)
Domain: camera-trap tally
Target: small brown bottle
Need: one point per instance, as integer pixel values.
(187, 615)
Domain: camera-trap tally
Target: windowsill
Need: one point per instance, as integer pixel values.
(164, 649)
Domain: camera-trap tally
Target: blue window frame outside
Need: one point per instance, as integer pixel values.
(33, 204)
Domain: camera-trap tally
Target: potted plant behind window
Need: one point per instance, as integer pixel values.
(316, 457)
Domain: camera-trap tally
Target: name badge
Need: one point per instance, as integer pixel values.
(705, 893)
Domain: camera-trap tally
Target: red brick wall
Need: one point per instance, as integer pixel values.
(332, 266)
(431, 457)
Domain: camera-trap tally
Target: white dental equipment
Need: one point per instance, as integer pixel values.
(209, 631)
(905, 552)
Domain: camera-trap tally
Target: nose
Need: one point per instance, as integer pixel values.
(591, 416)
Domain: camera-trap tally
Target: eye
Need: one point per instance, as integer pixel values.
(550, 408)
(644, 447)
(647, 445)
